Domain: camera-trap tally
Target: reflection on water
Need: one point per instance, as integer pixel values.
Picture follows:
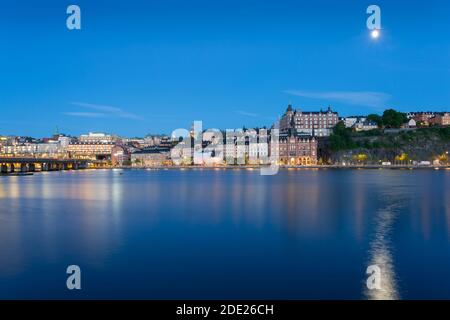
(226, 234)
(381, 256)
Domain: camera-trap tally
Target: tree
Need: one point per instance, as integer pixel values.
(402, 157)
(340, 129)
(360, 158)
(340, 139)
(393, 119)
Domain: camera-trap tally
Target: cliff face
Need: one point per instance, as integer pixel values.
(396, 146)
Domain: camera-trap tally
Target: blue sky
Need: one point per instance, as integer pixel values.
(140, 67)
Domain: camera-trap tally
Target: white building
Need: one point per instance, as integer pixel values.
(411, 123)
(351, 121)
(365, 125)
(359, 123)
(48, 149)
(97, 137)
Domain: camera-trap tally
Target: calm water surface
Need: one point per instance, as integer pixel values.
(226, 234)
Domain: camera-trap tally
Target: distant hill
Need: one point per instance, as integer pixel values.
(397, 146)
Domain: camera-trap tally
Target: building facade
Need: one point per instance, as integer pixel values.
(318, 123)
(90, 150)
(428, 118)
(151, 157)
(421, 118)
(297, 149)
(97, 138)
(441, 119)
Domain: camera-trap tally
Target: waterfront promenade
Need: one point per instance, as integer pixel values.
(255, 167)
(27, 165)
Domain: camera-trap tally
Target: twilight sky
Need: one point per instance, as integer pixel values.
(140, 67)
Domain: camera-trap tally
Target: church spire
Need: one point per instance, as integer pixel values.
(289, 108)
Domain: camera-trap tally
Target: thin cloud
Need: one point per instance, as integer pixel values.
(248, 114)
(360, 98)
(85, 114)
(106, 111)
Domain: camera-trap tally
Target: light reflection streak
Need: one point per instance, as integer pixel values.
(381, 255)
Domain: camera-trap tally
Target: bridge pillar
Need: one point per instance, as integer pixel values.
(4, 168)
(44, 167)
(31, 167)
(12, 168)
(23, 167)
(75, 166)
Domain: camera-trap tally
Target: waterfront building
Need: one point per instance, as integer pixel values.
(317, 123)
(3, 141)
(297, 149)
(120, 156)
(183, 153)
(50, 149)
(90, 150)
(258, 152)
(64, 141)
(151, 157)
(247, 146)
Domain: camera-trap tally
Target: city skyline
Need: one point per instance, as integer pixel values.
(163, 69)
(350, 121)
(224, 157)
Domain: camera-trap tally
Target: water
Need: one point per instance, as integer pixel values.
(226, 234)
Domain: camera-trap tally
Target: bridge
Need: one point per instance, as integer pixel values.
(22, 164)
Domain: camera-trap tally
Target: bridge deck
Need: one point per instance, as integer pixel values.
(40, 160)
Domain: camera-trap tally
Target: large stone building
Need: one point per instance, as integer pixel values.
(120, 156)
(90, 150)
(297, 149)
(151, 157)
(318, 123)
(427, 118)
(441, 119)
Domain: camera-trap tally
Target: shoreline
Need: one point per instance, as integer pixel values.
(247, 168)
(370, 167)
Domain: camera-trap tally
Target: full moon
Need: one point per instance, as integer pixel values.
(375, 34)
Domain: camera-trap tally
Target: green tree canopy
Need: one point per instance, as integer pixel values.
(393, 119)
